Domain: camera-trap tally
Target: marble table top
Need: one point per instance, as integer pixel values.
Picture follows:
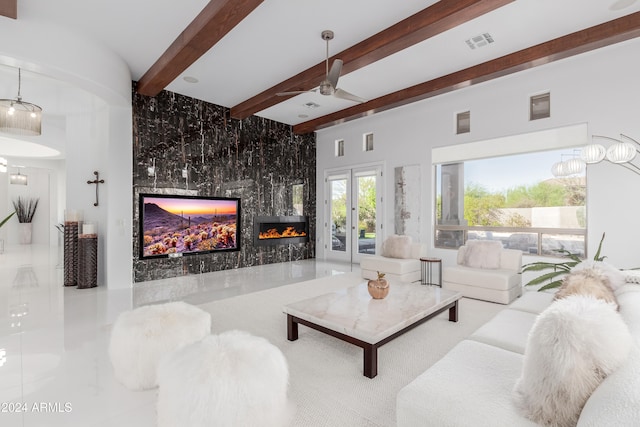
(353, 312)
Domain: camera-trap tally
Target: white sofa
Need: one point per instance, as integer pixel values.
(404, 267)
(473, 383)
(499, 282)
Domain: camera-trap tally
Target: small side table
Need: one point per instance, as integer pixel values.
(426, 275)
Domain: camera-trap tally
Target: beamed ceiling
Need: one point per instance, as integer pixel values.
(244, 52)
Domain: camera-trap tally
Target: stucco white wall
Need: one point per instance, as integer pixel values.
(98, 135)
(599, 88)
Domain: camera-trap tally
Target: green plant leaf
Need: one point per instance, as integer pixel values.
(538, 266)
(597, 257)
(7, 218)
(541, 279)
(552, 285)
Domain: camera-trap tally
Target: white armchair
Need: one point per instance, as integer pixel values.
(485, 271)
(400, 260)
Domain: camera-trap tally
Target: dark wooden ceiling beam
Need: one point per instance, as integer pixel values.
(214, 21)
(441, 16)
(9, 8)
(605, 34)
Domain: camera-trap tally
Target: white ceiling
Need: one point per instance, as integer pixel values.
(282, 38)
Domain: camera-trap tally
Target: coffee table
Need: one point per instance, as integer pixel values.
(351, 315)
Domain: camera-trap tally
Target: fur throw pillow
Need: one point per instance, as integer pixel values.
(573, 345)
(482, 254)
(396, 246)
(587, 281)
(608, 272)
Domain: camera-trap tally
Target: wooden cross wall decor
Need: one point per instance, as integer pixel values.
(96, 182)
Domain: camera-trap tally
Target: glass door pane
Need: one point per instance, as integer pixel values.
(366, 208)
(338, 211)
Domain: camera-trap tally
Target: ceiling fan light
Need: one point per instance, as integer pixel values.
(593, 153)
(621, 152)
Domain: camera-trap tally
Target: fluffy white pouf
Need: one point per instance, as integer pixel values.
(141, 337)
(229, 380)
(573, 345)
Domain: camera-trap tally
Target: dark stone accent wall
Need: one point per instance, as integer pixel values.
(255, 159)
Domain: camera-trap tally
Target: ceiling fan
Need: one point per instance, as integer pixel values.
(329, 86)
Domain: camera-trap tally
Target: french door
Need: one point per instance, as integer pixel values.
(353, 200)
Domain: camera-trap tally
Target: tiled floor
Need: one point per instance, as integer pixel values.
(54, 367)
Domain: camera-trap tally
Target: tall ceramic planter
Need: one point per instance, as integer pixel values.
(25, 229)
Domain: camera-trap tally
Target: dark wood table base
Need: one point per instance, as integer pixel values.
(370, 368)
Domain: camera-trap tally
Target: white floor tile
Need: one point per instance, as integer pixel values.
(53, 340)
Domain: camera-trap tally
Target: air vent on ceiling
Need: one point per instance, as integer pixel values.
(479, 41)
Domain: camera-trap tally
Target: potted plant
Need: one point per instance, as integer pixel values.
(559, 269)
(25, 210)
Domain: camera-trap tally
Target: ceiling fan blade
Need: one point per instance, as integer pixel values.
(334, 73)
(343, 94)
(295, 92)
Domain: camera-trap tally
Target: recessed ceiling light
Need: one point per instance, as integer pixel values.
(303, 116)
(621, 4)
(479, 41)
(311, 105)
(190, 79)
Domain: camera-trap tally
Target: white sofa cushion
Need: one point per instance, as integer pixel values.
(389, 265)
(630, 311)
(491, 295)
(533, 302)
(615, 401)
(471, 385)
(498, 279)
(508, 330)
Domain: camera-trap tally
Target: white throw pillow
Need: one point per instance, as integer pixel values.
(573, 345)
(396, 246)
(483, 254)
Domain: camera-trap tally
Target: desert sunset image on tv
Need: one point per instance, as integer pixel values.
(175, 225)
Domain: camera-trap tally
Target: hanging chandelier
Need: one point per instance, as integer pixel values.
(19, 117)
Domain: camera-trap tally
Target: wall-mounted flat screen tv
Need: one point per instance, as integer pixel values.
(172, 225)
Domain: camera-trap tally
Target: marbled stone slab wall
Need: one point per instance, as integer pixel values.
(195, 148)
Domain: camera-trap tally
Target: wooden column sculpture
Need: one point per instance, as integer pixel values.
(88, 257)
(72, 220)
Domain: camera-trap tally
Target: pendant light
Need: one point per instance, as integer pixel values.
(19, 117)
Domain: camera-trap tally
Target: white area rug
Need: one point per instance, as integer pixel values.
(326, 381)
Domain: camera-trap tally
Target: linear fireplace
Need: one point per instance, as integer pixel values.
(280, 230)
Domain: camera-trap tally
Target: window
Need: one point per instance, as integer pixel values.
(463, 122)
(339, 147)
(367, 142)
(476, 192)
(540, 106)
(514, 199)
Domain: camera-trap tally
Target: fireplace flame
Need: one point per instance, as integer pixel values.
(273, 233)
